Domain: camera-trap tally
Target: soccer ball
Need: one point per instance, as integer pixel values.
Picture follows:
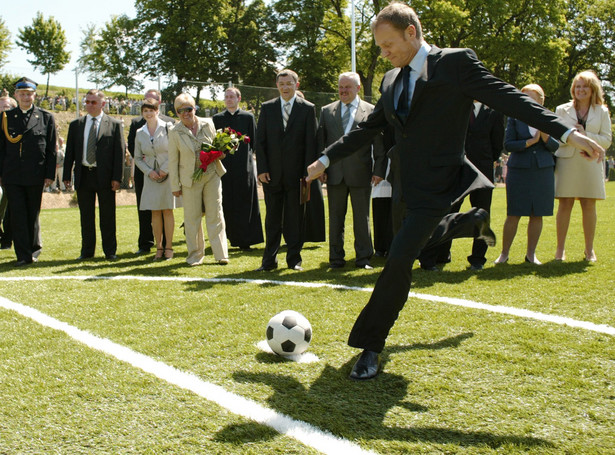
(289, 333)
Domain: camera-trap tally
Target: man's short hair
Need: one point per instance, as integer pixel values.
(235, 90)
(96, 92)
(400, 16)
(156, 93)
(287, 72)
(350, 75)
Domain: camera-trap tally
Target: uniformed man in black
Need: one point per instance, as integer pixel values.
(27, 165)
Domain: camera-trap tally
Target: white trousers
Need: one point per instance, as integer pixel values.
(205, 195)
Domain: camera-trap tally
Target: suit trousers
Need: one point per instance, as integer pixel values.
(204, 196)
(383, 224)
(146, 235)
(285, 215)
(88, 190)
(337, 196)
(478, 199)
(25, 206)
(418, 232)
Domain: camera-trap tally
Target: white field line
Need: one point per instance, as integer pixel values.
(307, 434)
(600, 328)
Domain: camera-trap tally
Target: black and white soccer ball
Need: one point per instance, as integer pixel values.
(289, 333)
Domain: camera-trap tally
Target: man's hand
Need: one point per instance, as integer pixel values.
(67, 185)
(264, 177)
(590, 150)
(48, 182)
(177, 193)
(376, 180)
(115, 185)
(315, 170)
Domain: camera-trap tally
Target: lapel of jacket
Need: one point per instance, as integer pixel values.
(426, 74)
(293, 113)
(360, 115)
(105, 125)
(35, 117)
(336, 112)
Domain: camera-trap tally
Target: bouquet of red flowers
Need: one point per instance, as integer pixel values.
(227, 140)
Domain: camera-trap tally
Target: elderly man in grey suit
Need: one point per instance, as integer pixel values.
(352, 176)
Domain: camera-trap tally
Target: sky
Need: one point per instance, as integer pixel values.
(74, 16)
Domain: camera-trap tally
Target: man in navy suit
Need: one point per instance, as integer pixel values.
(285, 146)
(95, 145)
(427, 98)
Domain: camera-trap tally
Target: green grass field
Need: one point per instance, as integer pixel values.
(456, 380)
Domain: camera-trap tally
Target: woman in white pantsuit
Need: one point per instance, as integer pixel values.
(575, 176)
(203, 195)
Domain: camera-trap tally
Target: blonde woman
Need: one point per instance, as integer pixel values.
(152, 158)
(203, 195)
(575, 176)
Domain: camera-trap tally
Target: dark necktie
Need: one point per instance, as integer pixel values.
(403, 103)
(346, 116)
(91, 146)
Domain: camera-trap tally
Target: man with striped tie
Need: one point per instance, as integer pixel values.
(352, 176)
(285, 145)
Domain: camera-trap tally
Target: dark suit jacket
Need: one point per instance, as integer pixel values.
(285, 154)
(517, 133)
(109, 151)
(430, 144)
(33, 159)
(485, 140)
(357, 169)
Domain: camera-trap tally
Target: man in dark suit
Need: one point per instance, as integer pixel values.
(146, 235)
(352, 176)
(239, 191)
(95, 145)
(483, 146)
(27, 165)
(427, 98)
(285, 145)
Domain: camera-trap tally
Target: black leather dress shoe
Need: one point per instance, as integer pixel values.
(484, 229)
(296, 267)
(83, 257)
(364, 266)
(430, 268)
(141, 251)
(262, 268)
(476, 267)
(22, 263)
(111, 257)
(367, 366)
(337, 265)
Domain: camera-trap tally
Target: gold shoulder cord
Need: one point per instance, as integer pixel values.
(12, 140)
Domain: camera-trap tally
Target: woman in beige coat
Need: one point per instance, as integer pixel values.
(203, 195)
(576, 177)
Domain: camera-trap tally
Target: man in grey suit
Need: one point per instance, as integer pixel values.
(352, 176)
(95, 145)
(427, 99)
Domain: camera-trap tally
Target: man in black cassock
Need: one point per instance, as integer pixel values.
(239, 193)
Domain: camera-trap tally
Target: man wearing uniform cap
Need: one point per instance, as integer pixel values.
(27, 165)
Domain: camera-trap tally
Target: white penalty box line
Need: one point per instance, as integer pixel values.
(513, 311)
(303, 432)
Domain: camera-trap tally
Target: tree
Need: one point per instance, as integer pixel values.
(183, 38)
(112, 56)
(86, 55)
(46, 41)
(5, 42)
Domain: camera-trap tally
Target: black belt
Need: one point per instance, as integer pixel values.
(89, 168)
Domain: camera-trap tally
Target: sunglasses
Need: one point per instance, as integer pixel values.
(93, 102)
(181, 110)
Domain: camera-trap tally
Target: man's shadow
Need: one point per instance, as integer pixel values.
(358, 410)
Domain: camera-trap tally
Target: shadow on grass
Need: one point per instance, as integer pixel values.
(357, 410)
